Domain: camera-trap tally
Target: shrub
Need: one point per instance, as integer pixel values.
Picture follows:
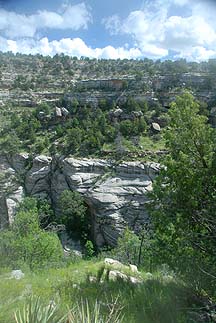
(89, 249)
(84, 313)
(27, 242)
(127, 249)
(34, 311)
(74, 213)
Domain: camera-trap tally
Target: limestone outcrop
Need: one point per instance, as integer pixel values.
(116, 193)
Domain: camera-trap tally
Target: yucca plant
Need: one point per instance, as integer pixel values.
(82, 313)
(34, 311)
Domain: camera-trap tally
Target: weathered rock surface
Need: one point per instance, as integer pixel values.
(115, 193)
(11, 191)
(17, 274)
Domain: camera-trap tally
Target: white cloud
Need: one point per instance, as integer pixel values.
(15, 25)
(68, 46)
(180, 33)
(198, 53)
(156, 31)
(184, 27)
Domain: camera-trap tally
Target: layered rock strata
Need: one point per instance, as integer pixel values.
(116, 193)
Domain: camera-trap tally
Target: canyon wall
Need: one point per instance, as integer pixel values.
(116, 193)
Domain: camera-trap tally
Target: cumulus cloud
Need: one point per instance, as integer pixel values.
(73, 47)
(14, 25)
(197, 53)
(157, 32)
(159, 29)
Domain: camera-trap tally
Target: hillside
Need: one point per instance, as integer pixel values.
(107, 158)
(95, 107)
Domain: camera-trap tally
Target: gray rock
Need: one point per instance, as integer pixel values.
(135, 280)
(156, 127)
(12, 201)
(19, 162)
(17, 274)
(116, 194)
(11, 192)
(113, 262)
(58, 112)
(115, 274)
(37, 178)
(133, 268)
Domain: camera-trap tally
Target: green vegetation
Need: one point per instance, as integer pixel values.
(74, 214)
(75, 290)
(35, 311)
(158, 299)
(82, 132)
(175, 253)
(25, 243)
(141, 92)
(183, 208)
(36, 71)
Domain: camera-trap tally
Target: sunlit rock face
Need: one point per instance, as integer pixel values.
(11, 190)
(116, 193)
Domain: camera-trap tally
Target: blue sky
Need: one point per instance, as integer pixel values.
(110, 29)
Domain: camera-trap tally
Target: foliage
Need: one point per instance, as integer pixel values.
(74, 213)
(158, 299)
(183, 207)
(154, 300)
(83, 313)
(127, 250)
(25, 242)
(34, 311)
(89, 249)
(134, 248)
(40, 207)
(10, 144)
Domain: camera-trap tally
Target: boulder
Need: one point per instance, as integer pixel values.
(133, 268)
(135, 280)
(58, 112)
(113, 262)
(115, 274)
(17, 274)
(65, 112)
(156, 127)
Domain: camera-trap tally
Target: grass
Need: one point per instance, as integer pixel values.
(156, 300)
(146, 143)
(42, 283)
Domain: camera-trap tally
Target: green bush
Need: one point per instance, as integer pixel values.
(34, 311)
(89, 249)
(26, 242)
(127, 250)
(74, 214)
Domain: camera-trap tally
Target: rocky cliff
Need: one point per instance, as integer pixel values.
(116, 193)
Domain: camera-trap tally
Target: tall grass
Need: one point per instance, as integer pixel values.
(156, 300)
(83, 313)
(153, 301)
(34, 311)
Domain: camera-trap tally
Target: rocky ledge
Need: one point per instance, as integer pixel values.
(116, 193)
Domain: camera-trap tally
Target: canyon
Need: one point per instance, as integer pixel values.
(116, 193)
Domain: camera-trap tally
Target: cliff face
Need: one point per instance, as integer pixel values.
(115, 193)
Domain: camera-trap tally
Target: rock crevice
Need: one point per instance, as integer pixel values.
(116, 193)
